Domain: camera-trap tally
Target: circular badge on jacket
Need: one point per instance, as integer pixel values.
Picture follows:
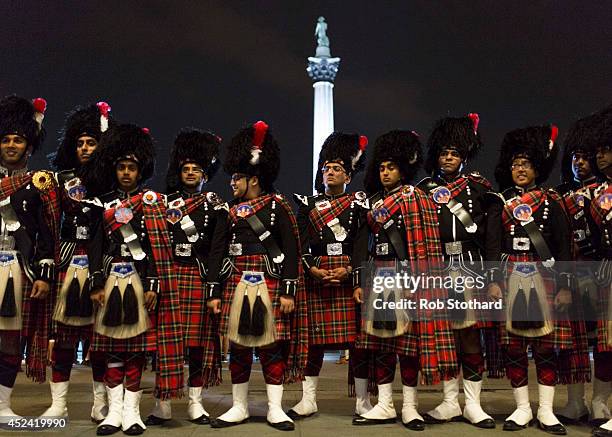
(522, 212)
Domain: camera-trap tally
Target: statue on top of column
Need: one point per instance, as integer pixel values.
(320, 33)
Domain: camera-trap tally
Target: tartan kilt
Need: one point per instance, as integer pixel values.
(35, 328)
(407, 344)
(560, 338)
(254, 263)
(200, 328)
(68, 334)
(145, 342)
(574, 365)
(332, 312)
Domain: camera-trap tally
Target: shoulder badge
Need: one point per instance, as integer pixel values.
(75, 189)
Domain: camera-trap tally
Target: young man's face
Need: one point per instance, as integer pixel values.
(334, 175)
(239, 184)
(85, 147)
(523, 173)
(192, 175)
(128, 175)
(604, 159)
(390, 175)
(449, 161)
(581, 167)
(13, 149)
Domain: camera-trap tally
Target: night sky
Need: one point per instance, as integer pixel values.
(219, 65)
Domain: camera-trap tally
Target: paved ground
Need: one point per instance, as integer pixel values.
(335, 408)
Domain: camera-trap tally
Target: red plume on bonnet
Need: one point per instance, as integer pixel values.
(104, 108)
(363, 142)
(40, 106)
(475, 120)
(554, 133)
(146, 130)
(260, 133)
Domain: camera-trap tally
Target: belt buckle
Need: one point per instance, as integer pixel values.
(182, 249)
(382, 249)
(7, 242)
(453, 248)
(82, 232)
(334, 249)
(579, 235)
(125, 251)
(235, 249)
(521, 243)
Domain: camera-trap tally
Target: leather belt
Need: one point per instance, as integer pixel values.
(238, 249)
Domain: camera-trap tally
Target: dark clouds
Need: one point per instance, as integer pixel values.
(221, 64)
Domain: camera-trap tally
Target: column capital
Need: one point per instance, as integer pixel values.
(322, 69)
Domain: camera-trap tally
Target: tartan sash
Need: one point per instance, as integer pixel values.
(193, 203)
(320, 218)
(169, 383)
(36, 360)
(391, 203)
(255, 204)
(457, 186)
(298, 347)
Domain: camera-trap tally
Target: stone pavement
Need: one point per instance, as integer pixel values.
(335, 408)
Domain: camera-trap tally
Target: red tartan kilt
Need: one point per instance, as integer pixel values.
(29, 307)
(199, 328)
(407, 344)
(254, 263)
(66, 333)
(332, 312)
(560, 338)
(602, 322)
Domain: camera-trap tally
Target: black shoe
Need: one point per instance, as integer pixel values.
(152, 420)
(135, 429)
(282, 426)
(107, 429)
(360, 420)
(569, 421)
(415, 425)
(202, 420)
(556, 429)
(297, 416)
(596, 423)
(430, 420)
(97, 422)
(602, 432)
(486, 424)
(511, 425)
(218, 423)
